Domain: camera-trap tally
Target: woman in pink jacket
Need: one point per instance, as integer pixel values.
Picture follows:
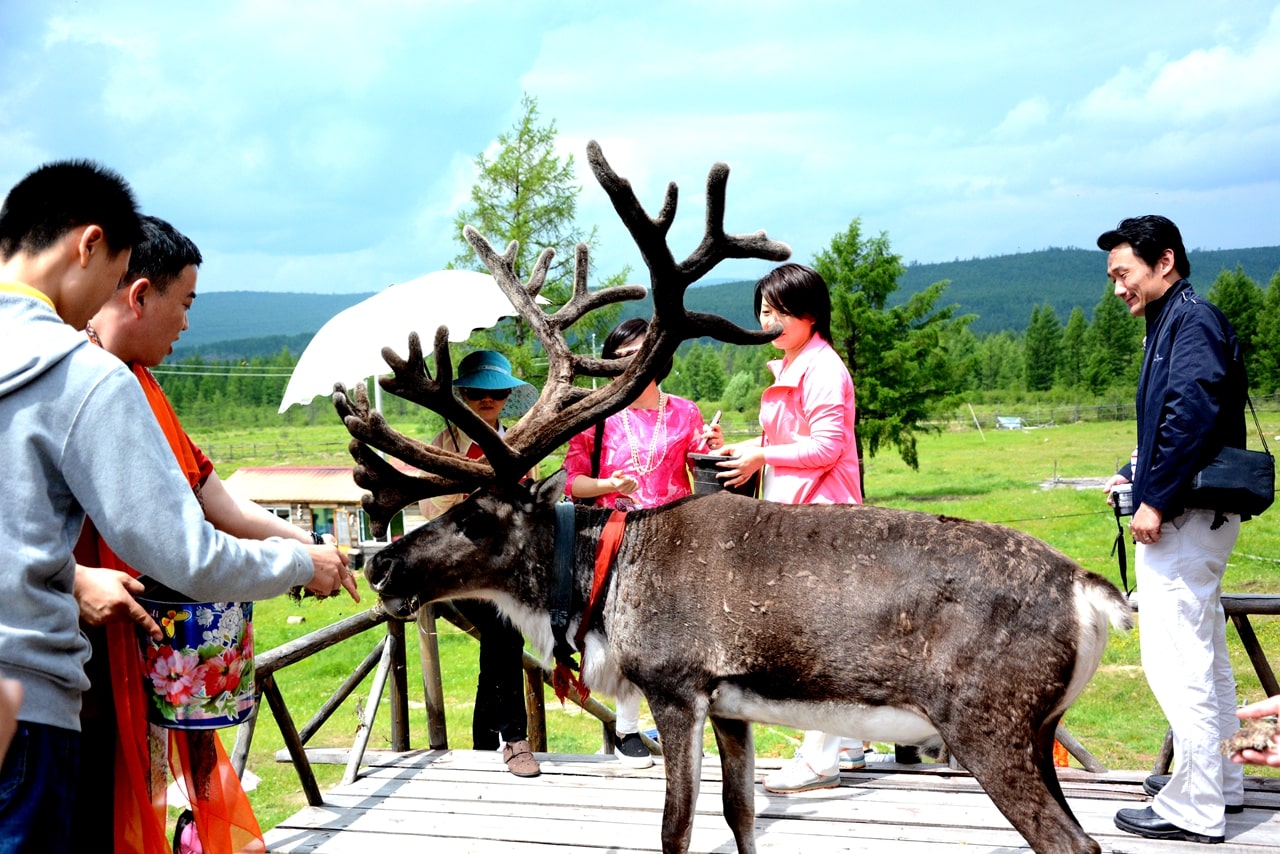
(807, 451)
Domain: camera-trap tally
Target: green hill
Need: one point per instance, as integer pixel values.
(1000, 290)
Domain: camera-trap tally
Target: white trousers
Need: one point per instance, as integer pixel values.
(1184, 653)
(822, 751)
(628, 713)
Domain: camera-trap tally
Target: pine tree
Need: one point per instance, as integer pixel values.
(1042, 349)
(1265, 377)
(1074, 352)
(1241, 300)
(1114, 345)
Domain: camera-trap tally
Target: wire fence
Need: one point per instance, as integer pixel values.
(1032, 414)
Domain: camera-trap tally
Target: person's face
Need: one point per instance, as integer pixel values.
(164, 317)
(629, 349)
(1136, 282)
(487, 403)
(796, 331)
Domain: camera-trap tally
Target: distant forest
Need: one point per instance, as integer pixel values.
(1067, 339)
(1000, 291)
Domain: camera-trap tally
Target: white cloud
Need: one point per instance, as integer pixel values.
(1222, 81)
(331, 148)
(1027, 116)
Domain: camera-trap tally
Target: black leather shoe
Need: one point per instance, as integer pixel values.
(1146, 823)
(1153, 784)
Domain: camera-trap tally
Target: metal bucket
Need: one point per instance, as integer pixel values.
(705, 482)
(200, 674)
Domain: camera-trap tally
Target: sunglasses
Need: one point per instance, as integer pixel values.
(474, 394)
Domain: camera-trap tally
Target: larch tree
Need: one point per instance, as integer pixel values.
(526, 192)
(902, 372)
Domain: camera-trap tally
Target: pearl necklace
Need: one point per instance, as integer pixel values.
(655, 459)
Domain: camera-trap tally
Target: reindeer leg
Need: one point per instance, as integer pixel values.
(1008, 760)
(738, 771)
(1048, 771)
(680, 723)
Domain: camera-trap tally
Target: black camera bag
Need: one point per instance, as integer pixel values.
(1237, 480)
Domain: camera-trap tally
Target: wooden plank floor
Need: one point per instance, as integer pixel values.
(464, 801)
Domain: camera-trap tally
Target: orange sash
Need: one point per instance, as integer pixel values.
(223, 817)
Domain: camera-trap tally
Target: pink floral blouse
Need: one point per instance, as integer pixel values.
(654, 453)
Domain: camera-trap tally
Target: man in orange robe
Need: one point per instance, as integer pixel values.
(139, 325)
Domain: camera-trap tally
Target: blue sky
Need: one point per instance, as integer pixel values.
(326, 146)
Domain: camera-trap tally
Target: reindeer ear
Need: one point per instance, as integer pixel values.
(550, 490)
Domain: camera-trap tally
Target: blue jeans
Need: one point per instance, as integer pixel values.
(37, 790)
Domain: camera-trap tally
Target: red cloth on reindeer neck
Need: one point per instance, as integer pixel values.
(562, 678)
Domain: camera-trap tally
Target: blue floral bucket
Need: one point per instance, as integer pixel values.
(199, 675)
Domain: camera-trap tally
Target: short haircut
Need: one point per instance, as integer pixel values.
(799, 291)
(61, 196)
(623, 334)
(161, 255)
(1149, 236)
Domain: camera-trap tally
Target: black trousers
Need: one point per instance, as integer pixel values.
(500, 706)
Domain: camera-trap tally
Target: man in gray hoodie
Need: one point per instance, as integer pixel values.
(77, 436)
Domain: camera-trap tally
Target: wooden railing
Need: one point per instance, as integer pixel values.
(388, 656)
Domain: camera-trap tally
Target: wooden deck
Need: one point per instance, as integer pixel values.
(464, 801)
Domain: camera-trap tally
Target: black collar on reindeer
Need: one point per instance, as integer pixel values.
(562, 584)
(563, 678)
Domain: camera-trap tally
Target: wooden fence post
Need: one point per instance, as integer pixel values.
(432, 684)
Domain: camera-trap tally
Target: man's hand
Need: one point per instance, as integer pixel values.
(1145, 525)
(1271, 756)
(106, 596)
(331, 573)
(1112, 482)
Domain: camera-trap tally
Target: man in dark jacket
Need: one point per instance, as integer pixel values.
(1190, 402)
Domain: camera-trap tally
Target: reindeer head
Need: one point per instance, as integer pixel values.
(563, 408)
(472, 550)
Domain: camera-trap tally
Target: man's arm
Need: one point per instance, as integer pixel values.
(119, 466)
(240, 517)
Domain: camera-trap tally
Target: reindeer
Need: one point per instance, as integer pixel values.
(888, 624)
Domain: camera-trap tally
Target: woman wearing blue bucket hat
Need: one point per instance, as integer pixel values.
(486, 384)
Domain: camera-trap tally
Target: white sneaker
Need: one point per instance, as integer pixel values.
(852, 758)
(797, 776)
(873, 756)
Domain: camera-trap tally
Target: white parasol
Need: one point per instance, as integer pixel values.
(348, 348)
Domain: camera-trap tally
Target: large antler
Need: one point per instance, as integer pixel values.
(563, 408)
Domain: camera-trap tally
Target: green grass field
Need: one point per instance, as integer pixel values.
(997, 476)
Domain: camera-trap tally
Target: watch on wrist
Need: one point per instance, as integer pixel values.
(317, 538)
